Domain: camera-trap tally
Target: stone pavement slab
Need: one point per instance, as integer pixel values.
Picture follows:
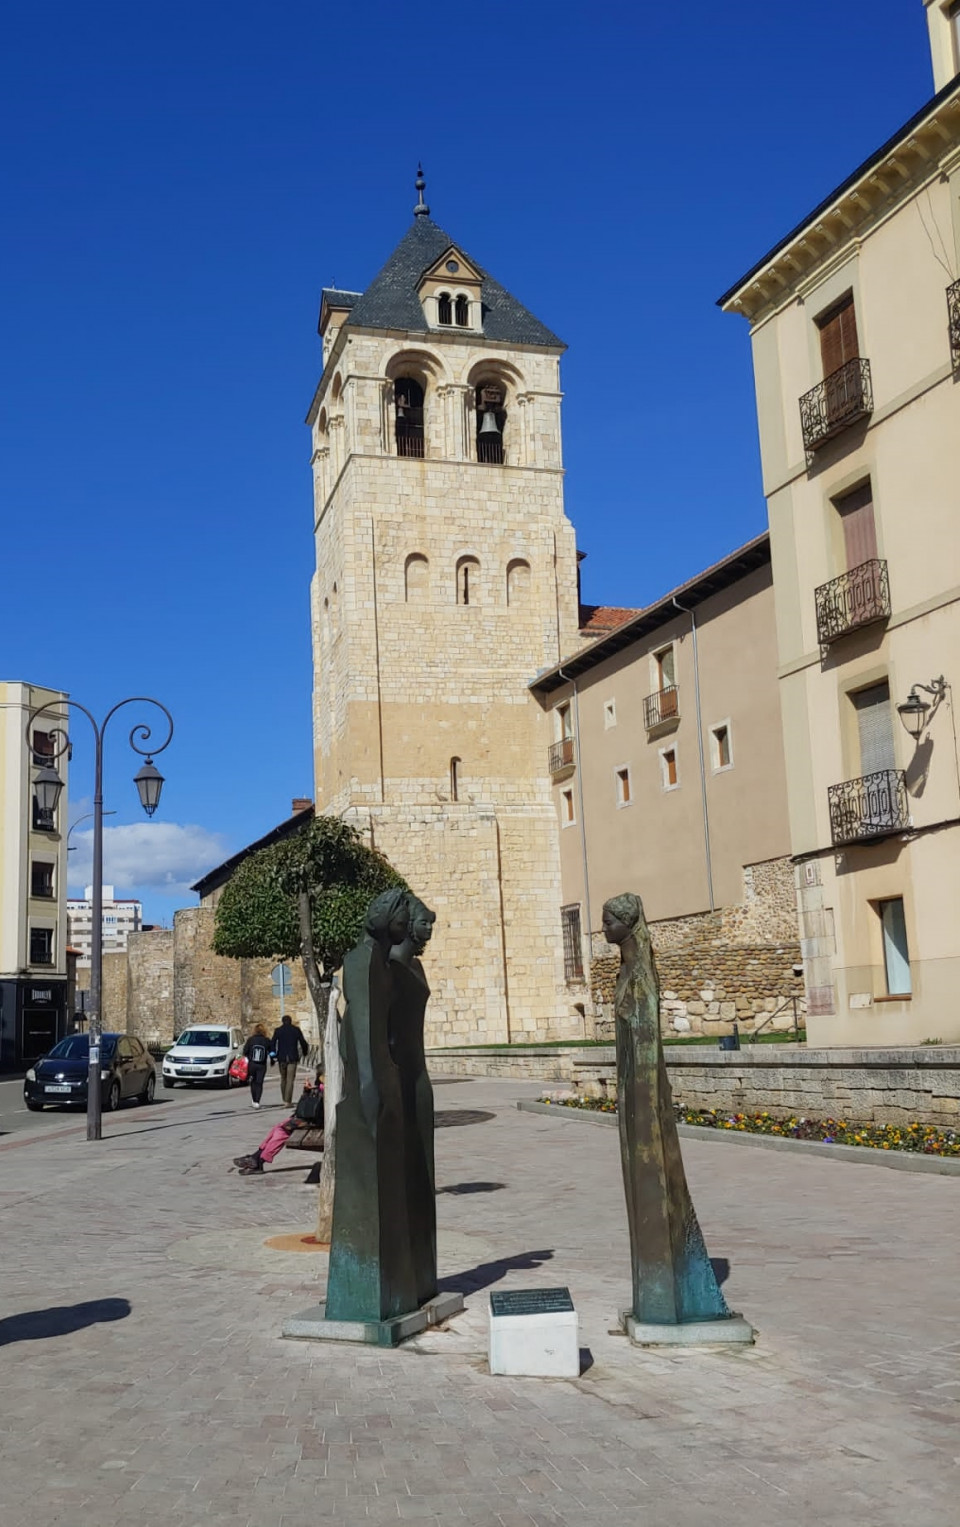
(146, 1382)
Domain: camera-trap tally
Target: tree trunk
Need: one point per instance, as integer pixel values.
(328, 1029)
(332, 1092)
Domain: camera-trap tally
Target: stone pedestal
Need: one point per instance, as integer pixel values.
(730, 1330)
(535, 1346)
(312, 1324)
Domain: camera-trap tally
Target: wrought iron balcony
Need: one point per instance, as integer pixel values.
(560, 758)
(662, 706)
(871, 807)
(857, 598)
(953, 309)
(842, 398)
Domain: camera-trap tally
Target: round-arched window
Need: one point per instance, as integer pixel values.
(468, 580)
(491, 422)
(444, 308)
(416, 577)
(408, 405)
(463, 311)
(518, 581)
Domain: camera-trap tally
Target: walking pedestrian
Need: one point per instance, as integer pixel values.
(288, 1044)
(257, 1051)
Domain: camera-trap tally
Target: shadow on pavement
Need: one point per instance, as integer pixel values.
(472, 1187)
(444, 1118)
(60, 1320)
(491, 1272)
(721, 1268)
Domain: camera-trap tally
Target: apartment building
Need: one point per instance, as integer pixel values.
(121, 917)
(33, 921)
(855, 325)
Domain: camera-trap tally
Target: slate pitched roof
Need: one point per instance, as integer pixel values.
(391, 301)
(339, 299)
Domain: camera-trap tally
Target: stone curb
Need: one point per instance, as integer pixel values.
(899, 1161)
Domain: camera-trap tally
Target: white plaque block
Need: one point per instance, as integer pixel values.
(534, 1334)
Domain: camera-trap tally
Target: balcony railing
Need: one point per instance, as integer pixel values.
(953, 309)
(560, 756)
(842, 398)
(871, 807)
(857, 598)
(662, 706)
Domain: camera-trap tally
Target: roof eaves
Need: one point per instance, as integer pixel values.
(931, 106)
(222, 872)
(712, 580)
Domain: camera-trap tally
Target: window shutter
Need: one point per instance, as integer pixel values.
(875, 725)
(859, 528)
(838, 336)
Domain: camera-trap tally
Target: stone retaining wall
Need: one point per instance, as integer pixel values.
(862, 1086)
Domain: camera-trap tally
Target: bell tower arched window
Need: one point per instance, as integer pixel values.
(463, 311)
(408, 402)
(518, 581)
(491, 421)
(444, 309)
(468, 580)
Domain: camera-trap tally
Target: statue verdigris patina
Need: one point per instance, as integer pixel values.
(383, 1251)
(676, 1296)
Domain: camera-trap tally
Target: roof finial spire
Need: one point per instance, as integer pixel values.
(421, 209)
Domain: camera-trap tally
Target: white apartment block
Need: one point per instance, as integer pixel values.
(120, 919)
(33, 880)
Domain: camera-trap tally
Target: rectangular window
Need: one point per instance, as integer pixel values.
(609, 714)
(41, 946)
(838, 335)
(720, 752)
(567, 814)
(41, 880)
(859, 528)
(624, 796)
(875, 728)
(665, 673)
(572, 943)
(42, 748)
(669, 778)
(896, 959)
(564, 721)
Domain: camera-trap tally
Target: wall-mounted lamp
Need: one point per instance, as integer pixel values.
(915, 711)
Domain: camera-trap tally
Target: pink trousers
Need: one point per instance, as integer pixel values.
(274, 1143)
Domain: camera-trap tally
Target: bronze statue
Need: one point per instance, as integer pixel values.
(673, 1280)
(371, 1274)
(406, 1024)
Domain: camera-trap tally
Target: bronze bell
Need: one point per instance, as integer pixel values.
(489, 425)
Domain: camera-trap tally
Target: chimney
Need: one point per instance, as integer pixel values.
(300, 803)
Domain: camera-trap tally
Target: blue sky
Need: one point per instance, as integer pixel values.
(179, 183)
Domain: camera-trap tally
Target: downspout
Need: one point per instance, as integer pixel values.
(703, 772)
(583, 825)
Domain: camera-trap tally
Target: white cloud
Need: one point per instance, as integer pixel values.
(158, 856)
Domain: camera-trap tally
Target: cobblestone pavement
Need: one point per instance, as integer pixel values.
(145, 1382)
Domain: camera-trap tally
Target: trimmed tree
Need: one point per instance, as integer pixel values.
(305, 898)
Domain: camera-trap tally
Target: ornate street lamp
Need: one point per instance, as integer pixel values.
(47, 787)
(915, 712)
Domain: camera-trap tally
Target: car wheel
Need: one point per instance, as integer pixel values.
(112, 1100)
(168, 1081)
(146, 1095)
(33, 1106)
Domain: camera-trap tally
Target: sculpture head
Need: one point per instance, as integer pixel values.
(622, 917)
(421, 923)
(388, 916)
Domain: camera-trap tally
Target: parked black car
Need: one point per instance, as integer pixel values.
(126, 1071)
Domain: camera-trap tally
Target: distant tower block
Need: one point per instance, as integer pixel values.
(446, 578)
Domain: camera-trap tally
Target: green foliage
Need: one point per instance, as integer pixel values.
(257, 914)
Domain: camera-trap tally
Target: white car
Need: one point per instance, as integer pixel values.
(203, 1053)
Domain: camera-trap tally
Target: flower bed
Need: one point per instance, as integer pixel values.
(922, 1138)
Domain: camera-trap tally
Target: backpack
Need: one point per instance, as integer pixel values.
(258, 1052)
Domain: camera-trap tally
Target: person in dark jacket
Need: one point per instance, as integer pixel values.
(288, 1045)
(257, 1051)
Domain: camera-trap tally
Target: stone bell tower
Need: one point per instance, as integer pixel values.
(446, 578)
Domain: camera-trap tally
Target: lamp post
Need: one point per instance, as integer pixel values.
(47, 787)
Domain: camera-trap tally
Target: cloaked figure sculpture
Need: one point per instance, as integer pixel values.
(406, 1039)
(382, 1284)
(371, 1276)
(676, 1296)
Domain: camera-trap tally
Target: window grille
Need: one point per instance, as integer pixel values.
(572, 943)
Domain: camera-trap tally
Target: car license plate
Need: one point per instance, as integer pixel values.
(188, 1070)
(56, 1089)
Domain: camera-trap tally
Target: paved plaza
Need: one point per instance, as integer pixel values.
(145, 1381)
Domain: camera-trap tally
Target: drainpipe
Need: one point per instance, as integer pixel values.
(703, 772)
(583, 825)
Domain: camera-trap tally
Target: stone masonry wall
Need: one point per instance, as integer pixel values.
(209, 987)
(734, 964)
(860, 1086)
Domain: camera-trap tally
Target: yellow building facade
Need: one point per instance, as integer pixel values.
(445, 579)
(855, 325)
